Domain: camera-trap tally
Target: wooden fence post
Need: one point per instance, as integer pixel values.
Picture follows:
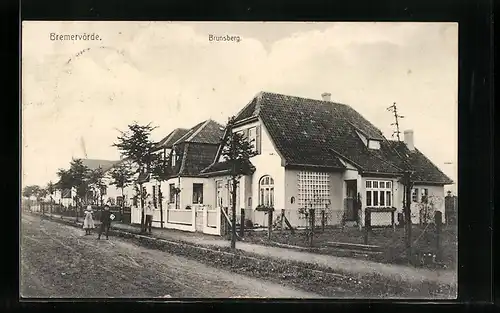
(368, 224)
(282, 219)
(323, 221)
(438, 221)
(242, 223)
(269, 223)
(393, 220)
(312, 216)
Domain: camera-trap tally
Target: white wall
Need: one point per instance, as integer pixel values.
(437, 192)
(186, 195)
(268, 162)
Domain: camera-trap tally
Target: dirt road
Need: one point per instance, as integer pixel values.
(60, 261)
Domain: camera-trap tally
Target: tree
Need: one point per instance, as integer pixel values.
(135, 145)
(31, 191)
(50, 190)
(76, 177)
(42, 193)
(96, 183)
(122, 176)
(237, 151)
(160, 172)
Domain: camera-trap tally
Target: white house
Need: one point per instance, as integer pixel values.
(323, 155)
(185, 192)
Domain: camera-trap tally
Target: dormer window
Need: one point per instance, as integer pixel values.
(374, 144)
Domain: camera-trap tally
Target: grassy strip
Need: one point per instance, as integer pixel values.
(306, 276)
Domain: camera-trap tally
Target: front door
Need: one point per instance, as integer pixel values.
(350, 203)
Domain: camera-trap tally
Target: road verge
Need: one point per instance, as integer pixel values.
(306, 276)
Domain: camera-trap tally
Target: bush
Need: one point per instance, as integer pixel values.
(248, 223)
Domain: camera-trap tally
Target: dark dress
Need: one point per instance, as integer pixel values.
(105, 223)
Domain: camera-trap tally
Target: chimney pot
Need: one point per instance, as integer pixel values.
(408, 138)
(326, 96)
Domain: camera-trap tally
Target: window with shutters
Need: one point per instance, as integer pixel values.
(252, 137)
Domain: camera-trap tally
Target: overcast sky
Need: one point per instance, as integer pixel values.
(171, 75)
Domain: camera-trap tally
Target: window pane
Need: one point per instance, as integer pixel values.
(414, 195)
(262, 196)
(382, 198)
(368, 198)
(375, 184)
(388, 185)
(388, 198)
(272, 197)
(368, 184)
(375, 198)
(382, 184)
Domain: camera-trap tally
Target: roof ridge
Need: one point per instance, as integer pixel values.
(258, 94)
(304, 98)
(198, 131)
(186, 134)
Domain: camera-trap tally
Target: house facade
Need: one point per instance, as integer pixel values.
(323, 155)
(184, 193)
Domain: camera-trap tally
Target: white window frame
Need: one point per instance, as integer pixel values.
(174, 158)
(373, 144)
(372, 187)
(196, 195)
(266, 191)
(219, 193)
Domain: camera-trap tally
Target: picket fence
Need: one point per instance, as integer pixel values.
(200, 218)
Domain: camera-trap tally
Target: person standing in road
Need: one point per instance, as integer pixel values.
(105, 222)
(148, 212)
(88, 222)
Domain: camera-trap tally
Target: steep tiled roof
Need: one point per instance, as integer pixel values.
(317, 133)
(224, 167)
(193, 157)
(95, 163)
(424, 171)
(208, 131)
(197, 148)
(169, 140)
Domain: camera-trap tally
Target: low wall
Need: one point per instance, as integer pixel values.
(181, 219)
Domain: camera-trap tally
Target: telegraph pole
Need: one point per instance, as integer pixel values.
(394, 110)
(407, 183)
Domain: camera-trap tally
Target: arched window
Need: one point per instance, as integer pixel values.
(266, 186)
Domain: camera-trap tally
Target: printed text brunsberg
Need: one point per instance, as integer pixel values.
(74, 37)
(225, 38)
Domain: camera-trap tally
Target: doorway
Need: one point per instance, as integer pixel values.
(350, 202)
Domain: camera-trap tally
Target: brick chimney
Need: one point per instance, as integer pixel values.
(326, 96)
(408, 138)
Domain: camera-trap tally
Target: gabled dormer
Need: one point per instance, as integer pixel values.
(370, 143)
